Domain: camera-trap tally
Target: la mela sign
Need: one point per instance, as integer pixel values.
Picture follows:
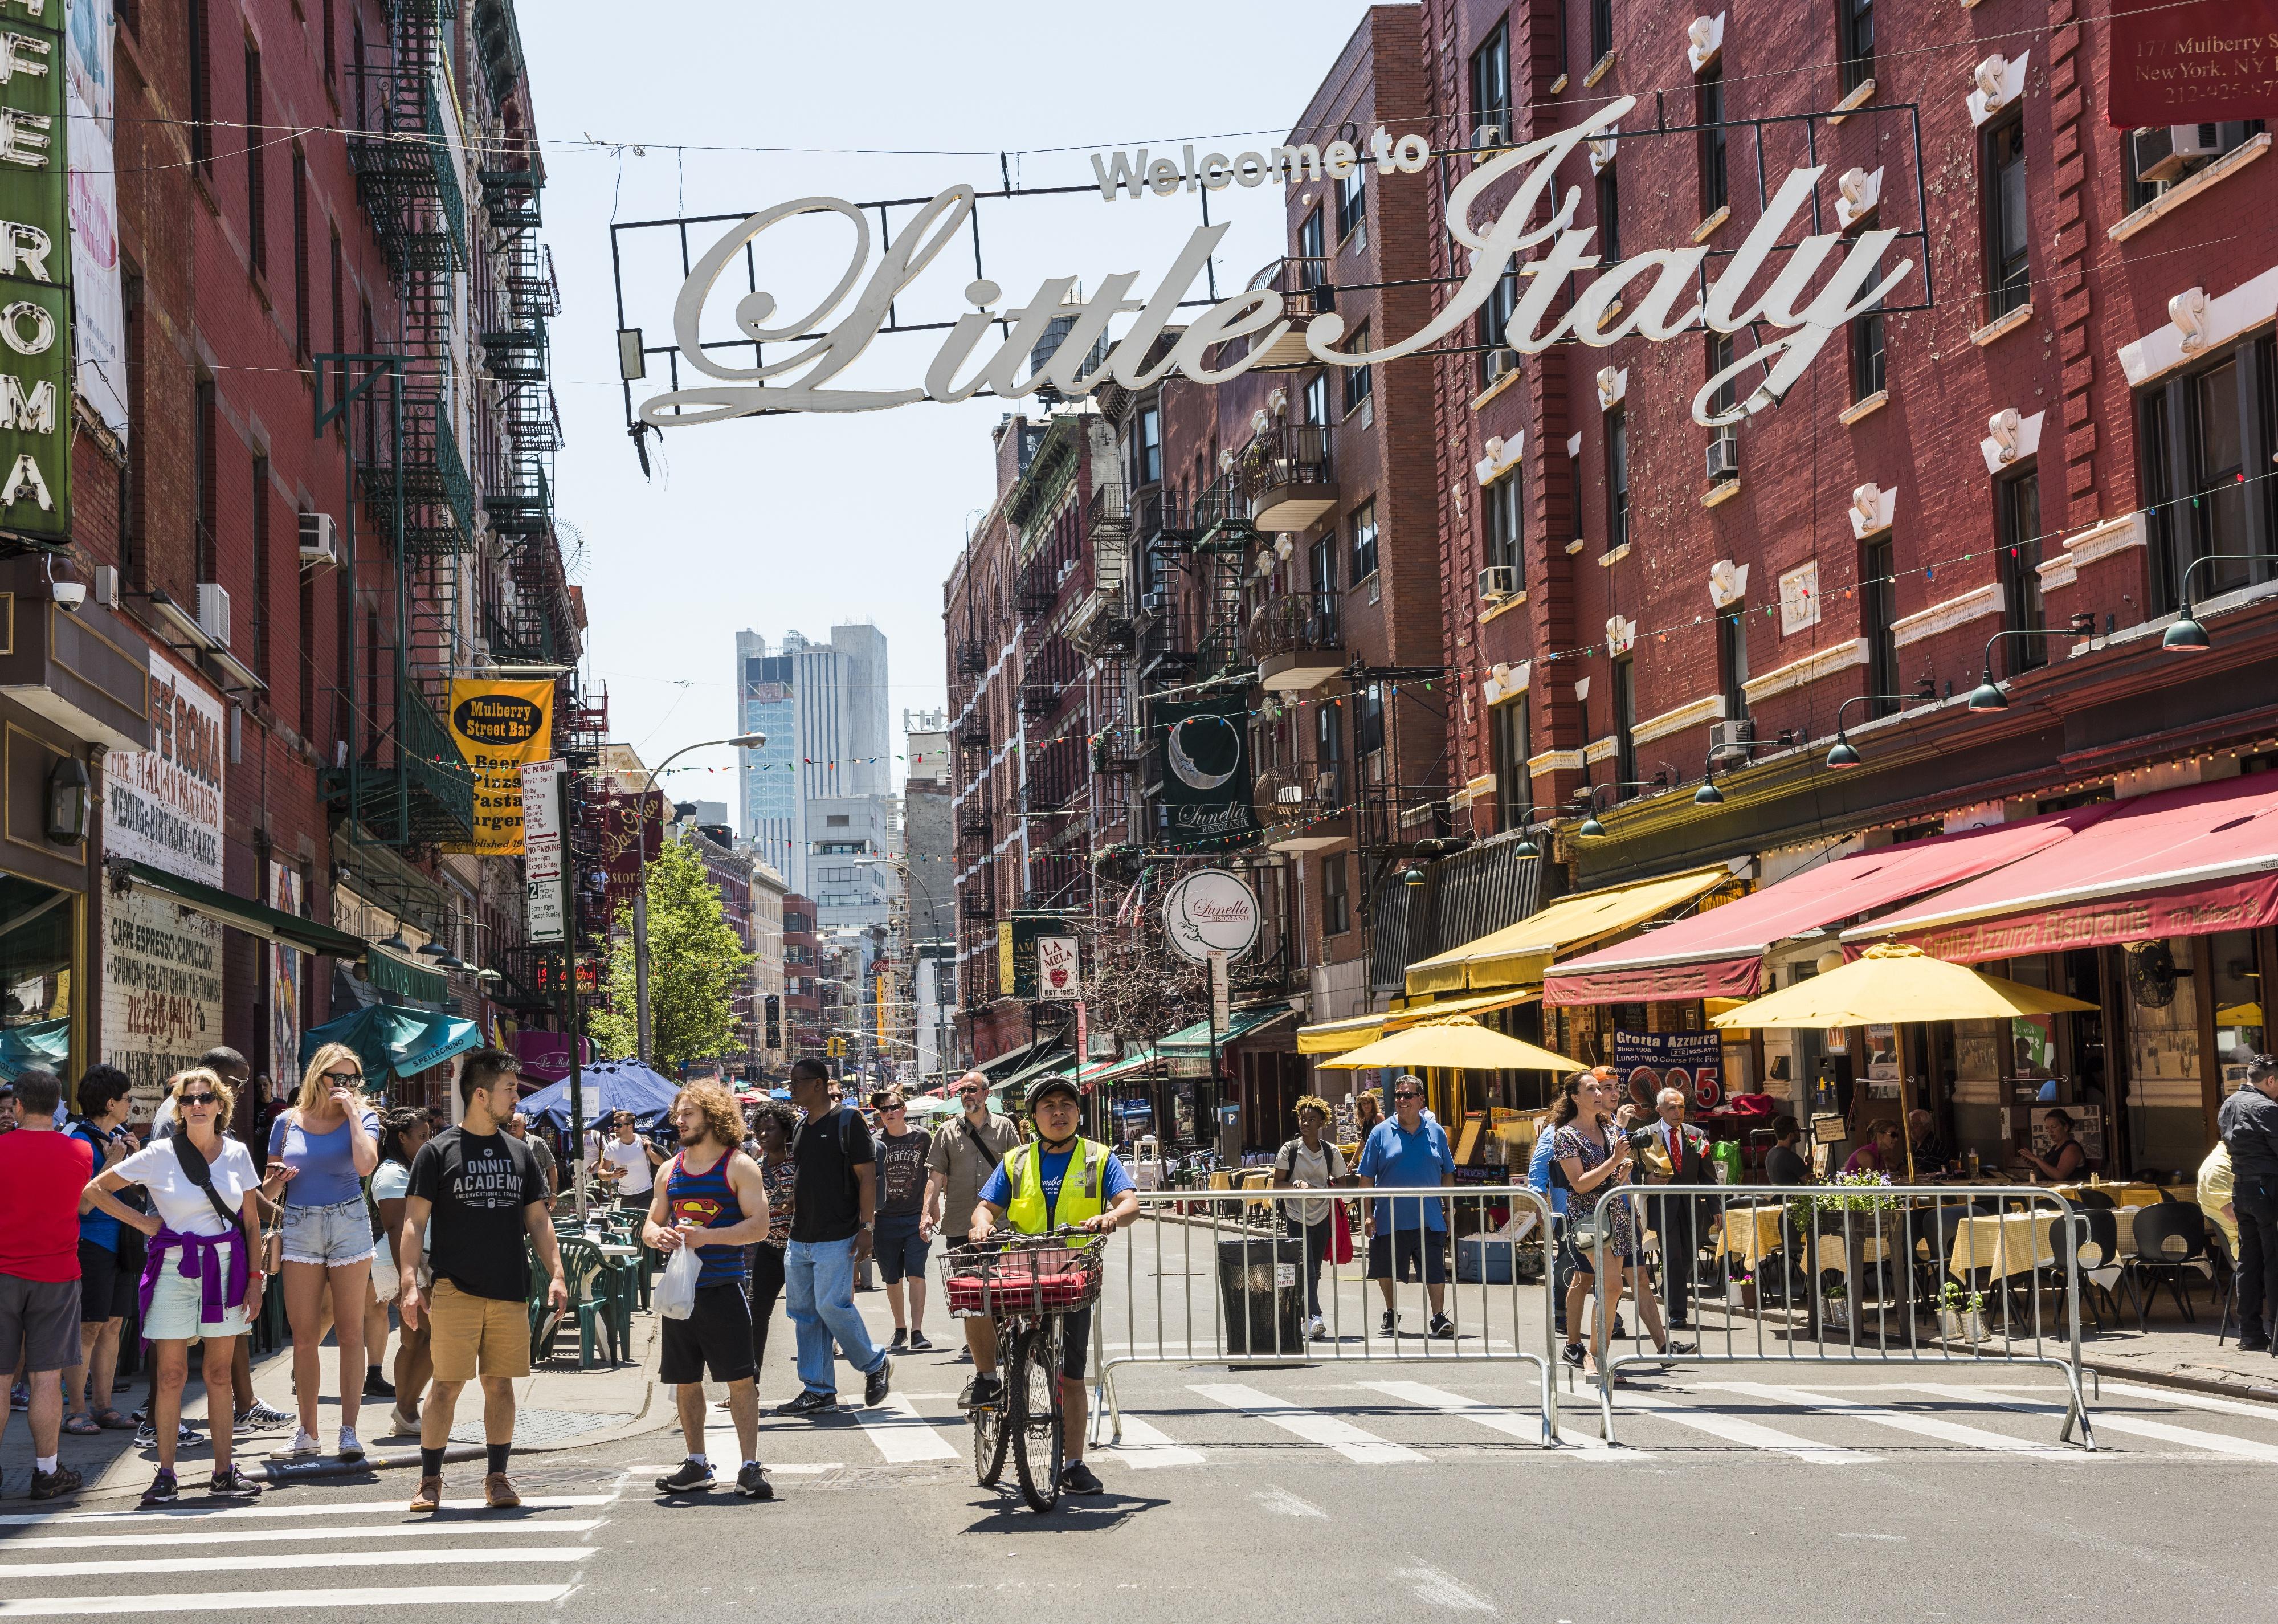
(1656, 296)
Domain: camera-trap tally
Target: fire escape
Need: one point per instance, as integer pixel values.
(405, 782)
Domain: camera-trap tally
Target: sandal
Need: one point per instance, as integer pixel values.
(82, 1427)
(110, 1419)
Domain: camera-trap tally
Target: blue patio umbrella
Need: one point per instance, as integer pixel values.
(607, 1088)
(392, 1040)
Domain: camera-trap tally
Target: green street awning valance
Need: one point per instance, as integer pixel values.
(402, 978)
(1001, 1067)
(241, 913)
(1194, 1042)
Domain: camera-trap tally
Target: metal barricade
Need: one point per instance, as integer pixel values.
(1210, 1277)
(1845, 1274)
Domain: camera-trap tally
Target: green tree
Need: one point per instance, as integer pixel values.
(695, 967)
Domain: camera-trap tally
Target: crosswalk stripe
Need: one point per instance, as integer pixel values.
(2106, 1421)
(1903, 1421)
(237, 1537)
(272, 1561)
(2195, 1401)
(338, 1508)
(1734, 1429)
(1364, 1448)
(1510, 1423)
(242, 1601)
(902, 1434)
(1144, 1446)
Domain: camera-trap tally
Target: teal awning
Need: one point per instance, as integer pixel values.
(37, 1043)
(404, 979)
(1194, 1042)
(1002, 1065)
(241, 913)
(1057, 1065)
(393, 1041)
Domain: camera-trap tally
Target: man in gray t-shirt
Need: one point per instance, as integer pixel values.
(965, 1150)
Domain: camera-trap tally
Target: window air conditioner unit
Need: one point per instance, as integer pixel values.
(1486, 138)
(106, 587)
(319, 543)
(213, 612)
(1156, 602)
(1732, 737)
(1724, 457)
(1502, 364)
(1325, 787)
(1498, 582)
(2161, 153)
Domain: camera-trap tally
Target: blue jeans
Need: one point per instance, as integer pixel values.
(819, 1296)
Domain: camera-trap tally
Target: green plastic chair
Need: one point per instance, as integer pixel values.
(585, 1270)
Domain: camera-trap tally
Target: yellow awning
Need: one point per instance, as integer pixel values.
(1336, 1037)
(1522, 952)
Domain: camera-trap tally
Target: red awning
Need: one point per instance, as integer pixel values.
(2181, 862)
(1720, 953)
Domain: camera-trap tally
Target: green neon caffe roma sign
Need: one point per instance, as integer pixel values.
(36, 374)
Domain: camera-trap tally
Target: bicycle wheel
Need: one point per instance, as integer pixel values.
(1037, 1422)
(989, 1437)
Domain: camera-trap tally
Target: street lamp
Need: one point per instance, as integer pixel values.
(2187, 635)
(1987, 695)
(742, 741)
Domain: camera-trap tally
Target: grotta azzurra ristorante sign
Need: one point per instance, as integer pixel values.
(1818, 283)
(36, 374)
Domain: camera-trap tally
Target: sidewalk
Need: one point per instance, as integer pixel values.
(558, 1407)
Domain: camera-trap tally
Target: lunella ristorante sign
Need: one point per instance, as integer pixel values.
(1656, 296)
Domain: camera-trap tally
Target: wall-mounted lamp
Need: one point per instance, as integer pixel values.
(67, 801)
(2187, 635)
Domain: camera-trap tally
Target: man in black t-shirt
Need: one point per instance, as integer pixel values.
(482, 1188)
(833, 1207)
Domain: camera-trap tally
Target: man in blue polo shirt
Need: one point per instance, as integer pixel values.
(1408, 1235)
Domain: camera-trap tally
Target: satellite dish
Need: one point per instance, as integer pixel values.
(574, 560)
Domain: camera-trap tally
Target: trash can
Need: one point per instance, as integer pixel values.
(1261, 1281)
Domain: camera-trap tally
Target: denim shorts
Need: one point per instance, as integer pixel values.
(330, 1235)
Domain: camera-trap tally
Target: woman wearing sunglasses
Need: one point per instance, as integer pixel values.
(201, 1279)
(329, 1143)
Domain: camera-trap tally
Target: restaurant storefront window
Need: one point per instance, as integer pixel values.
(40, 929)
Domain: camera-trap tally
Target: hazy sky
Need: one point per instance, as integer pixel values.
(801, 521)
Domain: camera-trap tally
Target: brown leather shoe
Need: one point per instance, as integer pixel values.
(498, 1492)
(428, 1496)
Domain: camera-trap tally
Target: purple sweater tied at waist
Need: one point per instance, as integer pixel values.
(201, 1261)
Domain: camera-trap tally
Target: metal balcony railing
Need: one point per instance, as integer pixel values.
(1296, 622)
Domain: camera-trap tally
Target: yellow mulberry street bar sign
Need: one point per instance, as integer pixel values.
(35, 373)
(500, 727)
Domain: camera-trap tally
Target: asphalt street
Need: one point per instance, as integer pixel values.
(1349, 1488)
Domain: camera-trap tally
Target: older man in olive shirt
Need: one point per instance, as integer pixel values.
(965, 1150)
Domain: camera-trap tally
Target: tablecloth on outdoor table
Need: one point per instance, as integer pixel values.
(2013, 1244)
(2121, 1195)
(1752, 1233)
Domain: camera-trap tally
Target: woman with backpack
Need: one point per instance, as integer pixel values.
(1309, 1162)
(201, 1277)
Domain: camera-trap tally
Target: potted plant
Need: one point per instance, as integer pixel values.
(1961, 1313)
(1834, 1297)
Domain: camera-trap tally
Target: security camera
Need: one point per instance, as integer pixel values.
(70, 595)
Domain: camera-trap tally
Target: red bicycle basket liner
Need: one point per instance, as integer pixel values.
(1047, 1281)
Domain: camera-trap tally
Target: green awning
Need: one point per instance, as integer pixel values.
(1124, 1070)
(1058, 1064)
(404, 979)
(241, 913)
(1001, 1067)
(1194, 1042)
(394, 1042)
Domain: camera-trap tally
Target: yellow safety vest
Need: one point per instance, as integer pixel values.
(1079, 1197)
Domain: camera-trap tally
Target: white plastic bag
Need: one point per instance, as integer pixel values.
(674, 1296)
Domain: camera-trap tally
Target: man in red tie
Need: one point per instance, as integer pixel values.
(1687, 1148)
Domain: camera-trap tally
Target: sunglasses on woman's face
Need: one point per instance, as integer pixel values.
(190, 1101)
(343, 1077)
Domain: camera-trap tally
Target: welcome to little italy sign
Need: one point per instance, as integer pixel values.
(1656, 296)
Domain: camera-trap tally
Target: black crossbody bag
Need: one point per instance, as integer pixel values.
(195, 1167)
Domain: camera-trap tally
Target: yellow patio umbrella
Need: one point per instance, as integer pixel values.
(1890, 983)
(1453, 1041)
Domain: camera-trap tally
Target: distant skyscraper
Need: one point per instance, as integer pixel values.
(821, 785)
(772, 798)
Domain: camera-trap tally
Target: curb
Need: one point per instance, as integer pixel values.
(2205, 1385)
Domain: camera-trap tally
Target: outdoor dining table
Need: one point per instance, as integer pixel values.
(1752, 1233)
(2011, 1243)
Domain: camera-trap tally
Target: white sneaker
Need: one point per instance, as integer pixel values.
(303, 1447)
(351, 1446)
(1316, 1328)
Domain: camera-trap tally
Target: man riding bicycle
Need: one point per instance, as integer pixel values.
(1058, 1180)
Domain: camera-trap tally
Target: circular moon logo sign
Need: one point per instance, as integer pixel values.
(1210, 911)
(1205, 751)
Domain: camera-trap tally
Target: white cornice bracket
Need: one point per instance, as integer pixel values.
(1871, 510)
(1998, 82)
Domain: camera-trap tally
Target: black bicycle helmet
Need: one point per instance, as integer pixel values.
(1042, 1086)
